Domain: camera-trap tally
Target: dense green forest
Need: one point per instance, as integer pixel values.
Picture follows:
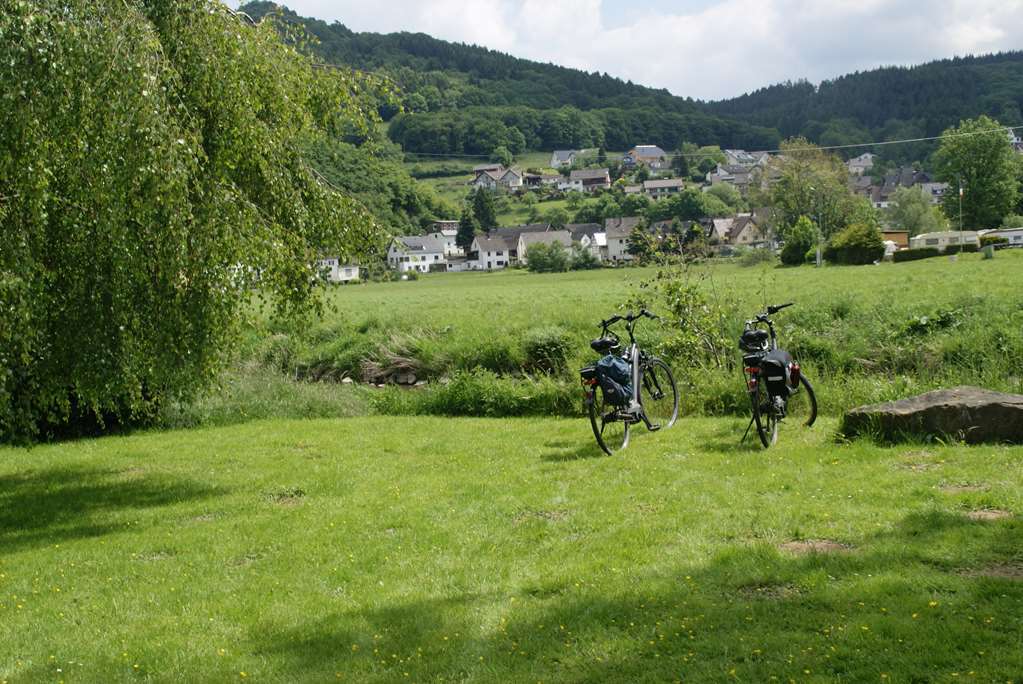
(892, 102)
(463, 99)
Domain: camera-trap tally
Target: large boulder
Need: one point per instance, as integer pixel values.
(968, 413)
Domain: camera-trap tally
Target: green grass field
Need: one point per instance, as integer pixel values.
(431, 550)
(862, 334)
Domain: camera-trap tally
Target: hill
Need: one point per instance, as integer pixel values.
(468, 99)
(888, 103)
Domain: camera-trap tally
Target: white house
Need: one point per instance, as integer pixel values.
(943, 239)
(422, 253)
(447, 237)
(651, 155)
(616, 238)
(859, 165)
(488, 253)
(337, 272)
(560, 158)
(589, 180)
(663, 187)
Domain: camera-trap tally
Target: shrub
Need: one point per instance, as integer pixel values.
(584, 260)
(856, 244)
(800, 238)
(995, 240)
(914, 254)
(542, 258)
(754, 257)
(547, 348)
(966, 249)
(482, 393)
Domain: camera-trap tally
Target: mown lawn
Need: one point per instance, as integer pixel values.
(425, 549)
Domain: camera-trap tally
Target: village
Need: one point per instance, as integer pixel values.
(608, 241)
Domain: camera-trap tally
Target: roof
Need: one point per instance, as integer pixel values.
(420, 243)
(486, 167)
(648, 151)
(665, 183)
(492, 243)
(580, 230)
(621, 227)
(512, 233)
(563, 155)
(561, 237)
(589, 174)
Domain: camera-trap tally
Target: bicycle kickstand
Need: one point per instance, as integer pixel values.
(745, 434)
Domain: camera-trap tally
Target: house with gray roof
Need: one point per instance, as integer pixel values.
(423, 253)
(562, 158)
(666, 187)
(588, 180)
(649, 155)
(550, 237)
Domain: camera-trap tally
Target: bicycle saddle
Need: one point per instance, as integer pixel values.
(753, 340)
(603, 345)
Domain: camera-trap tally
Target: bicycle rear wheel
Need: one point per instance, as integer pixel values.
(609, 426)
(658, 394)
(764, 417)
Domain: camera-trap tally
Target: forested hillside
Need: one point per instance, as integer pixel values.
(467, 100)
(888, 103)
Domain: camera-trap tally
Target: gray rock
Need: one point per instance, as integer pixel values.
(347, 381)
(972, 414)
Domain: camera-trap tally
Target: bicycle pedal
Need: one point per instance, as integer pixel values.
(654, 428)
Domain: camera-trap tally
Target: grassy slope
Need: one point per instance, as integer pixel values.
(382, 549)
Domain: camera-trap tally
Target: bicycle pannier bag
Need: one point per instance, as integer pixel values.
(775, 372)
(615, 377)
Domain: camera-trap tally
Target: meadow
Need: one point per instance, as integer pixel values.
(862, 334)
(427, 549)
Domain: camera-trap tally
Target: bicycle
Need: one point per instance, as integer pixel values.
(774, 379)
(651, 397)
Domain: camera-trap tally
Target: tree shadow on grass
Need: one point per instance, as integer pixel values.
(560, 450)
(40, 507)
(897, 603)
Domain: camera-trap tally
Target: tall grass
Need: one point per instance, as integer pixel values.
(863, 334)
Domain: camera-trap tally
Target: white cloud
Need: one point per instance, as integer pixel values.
(711, 50)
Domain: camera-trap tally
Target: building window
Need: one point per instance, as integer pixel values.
(932, 241)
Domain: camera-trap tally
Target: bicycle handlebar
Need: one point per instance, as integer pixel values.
(771, 310)
(629, 318)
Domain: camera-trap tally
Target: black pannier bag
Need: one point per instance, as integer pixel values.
(614, 374)
(776, 372)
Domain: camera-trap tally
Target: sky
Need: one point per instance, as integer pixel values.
(705, 49)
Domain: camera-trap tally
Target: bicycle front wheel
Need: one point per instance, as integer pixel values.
(802, 405)
(609, 426)
(658, 394)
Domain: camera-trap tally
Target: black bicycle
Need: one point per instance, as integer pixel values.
(634, 386)
(773, 379)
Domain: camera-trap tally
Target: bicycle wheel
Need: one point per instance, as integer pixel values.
(802, 405)
(764, 416)
(610, 429)
(658, 394)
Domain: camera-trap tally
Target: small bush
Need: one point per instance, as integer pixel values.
(995, 240)
(799, 239)
(755, 257)
(857, 244)
(914, 254)
(482, 393)
(547, 348)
